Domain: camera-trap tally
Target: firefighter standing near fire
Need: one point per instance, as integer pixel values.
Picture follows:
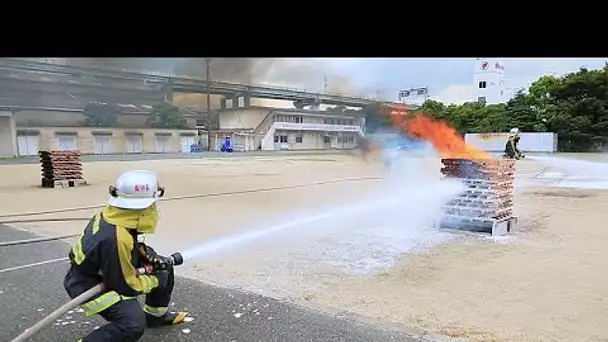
(511, 150)
(108, 251)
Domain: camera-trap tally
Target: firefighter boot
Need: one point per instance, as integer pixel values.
(168, 318)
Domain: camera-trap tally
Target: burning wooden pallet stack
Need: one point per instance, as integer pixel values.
(61, 169)
(487, 203)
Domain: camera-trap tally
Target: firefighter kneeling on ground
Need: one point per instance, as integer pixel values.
(511, 150)
(108, 251)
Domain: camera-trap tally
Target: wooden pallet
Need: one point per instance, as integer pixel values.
(63, 183)
(477, 211)
(479, 203)
(494, 227)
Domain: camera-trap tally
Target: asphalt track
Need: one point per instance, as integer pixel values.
(220, 314)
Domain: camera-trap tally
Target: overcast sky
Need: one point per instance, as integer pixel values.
(449, 80)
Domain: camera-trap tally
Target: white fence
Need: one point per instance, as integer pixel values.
(529, 142)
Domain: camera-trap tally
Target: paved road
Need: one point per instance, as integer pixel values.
(27, 295)
(202, 155)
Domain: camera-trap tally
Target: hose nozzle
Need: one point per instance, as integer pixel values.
(177, 259)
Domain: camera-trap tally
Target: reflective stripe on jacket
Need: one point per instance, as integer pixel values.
(107, 251)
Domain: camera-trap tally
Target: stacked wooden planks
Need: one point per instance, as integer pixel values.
(62, 168)
(489, 189)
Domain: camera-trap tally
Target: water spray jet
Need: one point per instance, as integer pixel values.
(572, 173)
(416, 193)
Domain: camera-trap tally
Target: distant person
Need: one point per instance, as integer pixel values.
(511, 150)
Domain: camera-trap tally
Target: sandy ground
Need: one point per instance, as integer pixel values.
(545, 283)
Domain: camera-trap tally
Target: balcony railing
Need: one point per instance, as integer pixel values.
(316, 127)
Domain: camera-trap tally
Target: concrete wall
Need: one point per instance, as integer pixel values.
(85, 138)
(246, 118)
(529, 142)
(8, 142)
(39, 118)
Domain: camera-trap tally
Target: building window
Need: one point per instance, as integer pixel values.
(66, 142)
(326, 139)
(280, 138)
(163, 144)
(134, 143)
(201, 123)
(298, 119)
(481, 99)
(351, 139)
(299, 138)
(482, 84)
(103, 144)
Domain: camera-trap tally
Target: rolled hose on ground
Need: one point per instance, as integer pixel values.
(176, 260)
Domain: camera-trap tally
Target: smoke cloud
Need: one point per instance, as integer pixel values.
(310, 74)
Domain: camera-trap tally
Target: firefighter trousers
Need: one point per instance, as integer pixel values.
(127, 319)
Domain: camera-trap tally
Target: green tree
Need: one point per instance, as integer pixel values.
(101, 115)
(166, 115)
(433, 108)
(524, 112)
(577, 109)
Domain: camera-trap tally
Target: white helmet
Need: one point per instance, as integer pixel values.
(136, 189)
(514, 132)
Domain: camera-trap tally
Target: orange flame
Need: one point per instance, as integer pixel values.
(443, 137)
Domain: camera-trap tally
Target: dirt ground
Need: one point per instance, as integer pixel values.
(546, 283)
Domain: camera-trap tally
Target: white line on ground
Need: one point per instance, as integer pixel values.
(32, 265)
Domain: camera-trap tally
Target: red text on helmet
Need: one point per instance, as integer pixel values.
(141, 188)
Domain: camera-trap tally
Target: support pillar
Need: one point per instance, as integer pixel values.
(8, 135)
(315, 105)
(169, 96)
(247, 101)
(168, 92)
(235, 101)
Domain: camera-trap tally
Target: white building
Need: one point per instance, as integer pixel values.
(263, 128)
(26, 131)
(488, 79)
